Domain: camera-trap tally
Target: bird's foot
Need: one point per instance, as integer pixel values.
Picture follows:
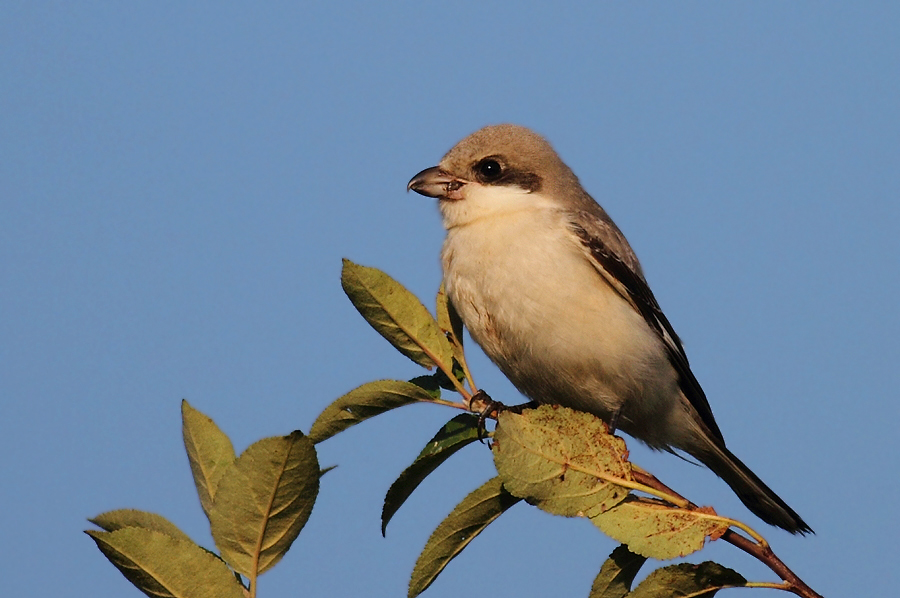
(492, 406)
(611, 426)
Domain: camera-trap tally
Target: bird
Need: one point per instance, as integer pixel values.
(549, 288)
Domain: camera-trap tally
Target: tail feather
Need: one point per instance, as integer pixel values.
(752, 491)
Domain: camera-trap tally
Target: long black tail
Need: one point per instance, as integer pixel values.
(758, 497)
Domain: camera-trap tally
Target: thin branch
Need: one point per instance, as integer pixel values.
(765, 555)
(760, 550)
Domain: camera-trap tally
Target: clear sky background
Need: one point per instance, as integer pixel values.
(179, 182)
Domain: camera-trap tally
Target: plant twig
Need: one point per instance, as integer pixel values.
(760, 550)
(765, 555)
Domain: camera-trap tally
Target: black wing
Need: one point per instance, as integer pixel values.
(628, 281)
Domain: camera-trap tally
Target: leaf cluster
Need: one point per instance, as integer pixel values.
(256, 504)
(561, 461)
(556, 459)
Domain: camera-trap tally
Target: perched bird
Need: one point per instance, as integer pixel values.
(549, 288)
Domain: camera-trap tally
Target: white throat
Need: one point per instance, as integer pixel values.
(488, 201)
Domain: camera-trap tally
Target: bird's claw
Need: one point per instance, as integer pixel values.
(491, 407)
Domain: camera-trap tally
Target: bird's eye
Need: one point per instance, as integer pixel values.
(489, 169)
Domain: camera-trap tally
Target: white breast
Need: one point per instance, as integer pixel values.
(536, 305)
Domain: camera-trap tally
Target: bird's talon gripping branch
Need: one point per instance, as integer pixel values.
(494, 407)
(614, 420)
(490, 406)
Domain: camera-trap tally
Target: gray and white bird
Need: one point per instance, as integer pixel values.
(549, 288)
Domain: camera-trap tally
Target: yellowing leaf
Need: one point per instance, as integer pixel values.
(454, 435)
(656, 530)
(686, 579)
(563, 461)
(263, 501)
(467, 520)
(361, 403)
(209, 452)
(165, 567)
(397, 315)
(617, 574)
(450, 324)
(122, 518)
(448, 319)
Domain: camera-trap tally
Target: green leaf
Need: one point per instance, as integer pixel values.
(450, 324)
(617, 574)
(563, 461)
(209, 452)
(263, 501)
(165, 567)
(657, 530)
(457, 433)
(448, 319)
(467, 520)
(368, 400)
(397, 315)
(122, 518)
(430, 383)
(688, 580)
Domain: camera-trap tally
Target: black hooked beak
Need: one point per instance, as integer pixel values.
(434, 182)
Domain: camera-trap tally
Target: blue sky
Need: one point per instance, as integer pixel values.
(179, 182)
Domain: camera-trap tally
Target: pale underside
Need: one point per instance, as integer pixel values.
(534, 301)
